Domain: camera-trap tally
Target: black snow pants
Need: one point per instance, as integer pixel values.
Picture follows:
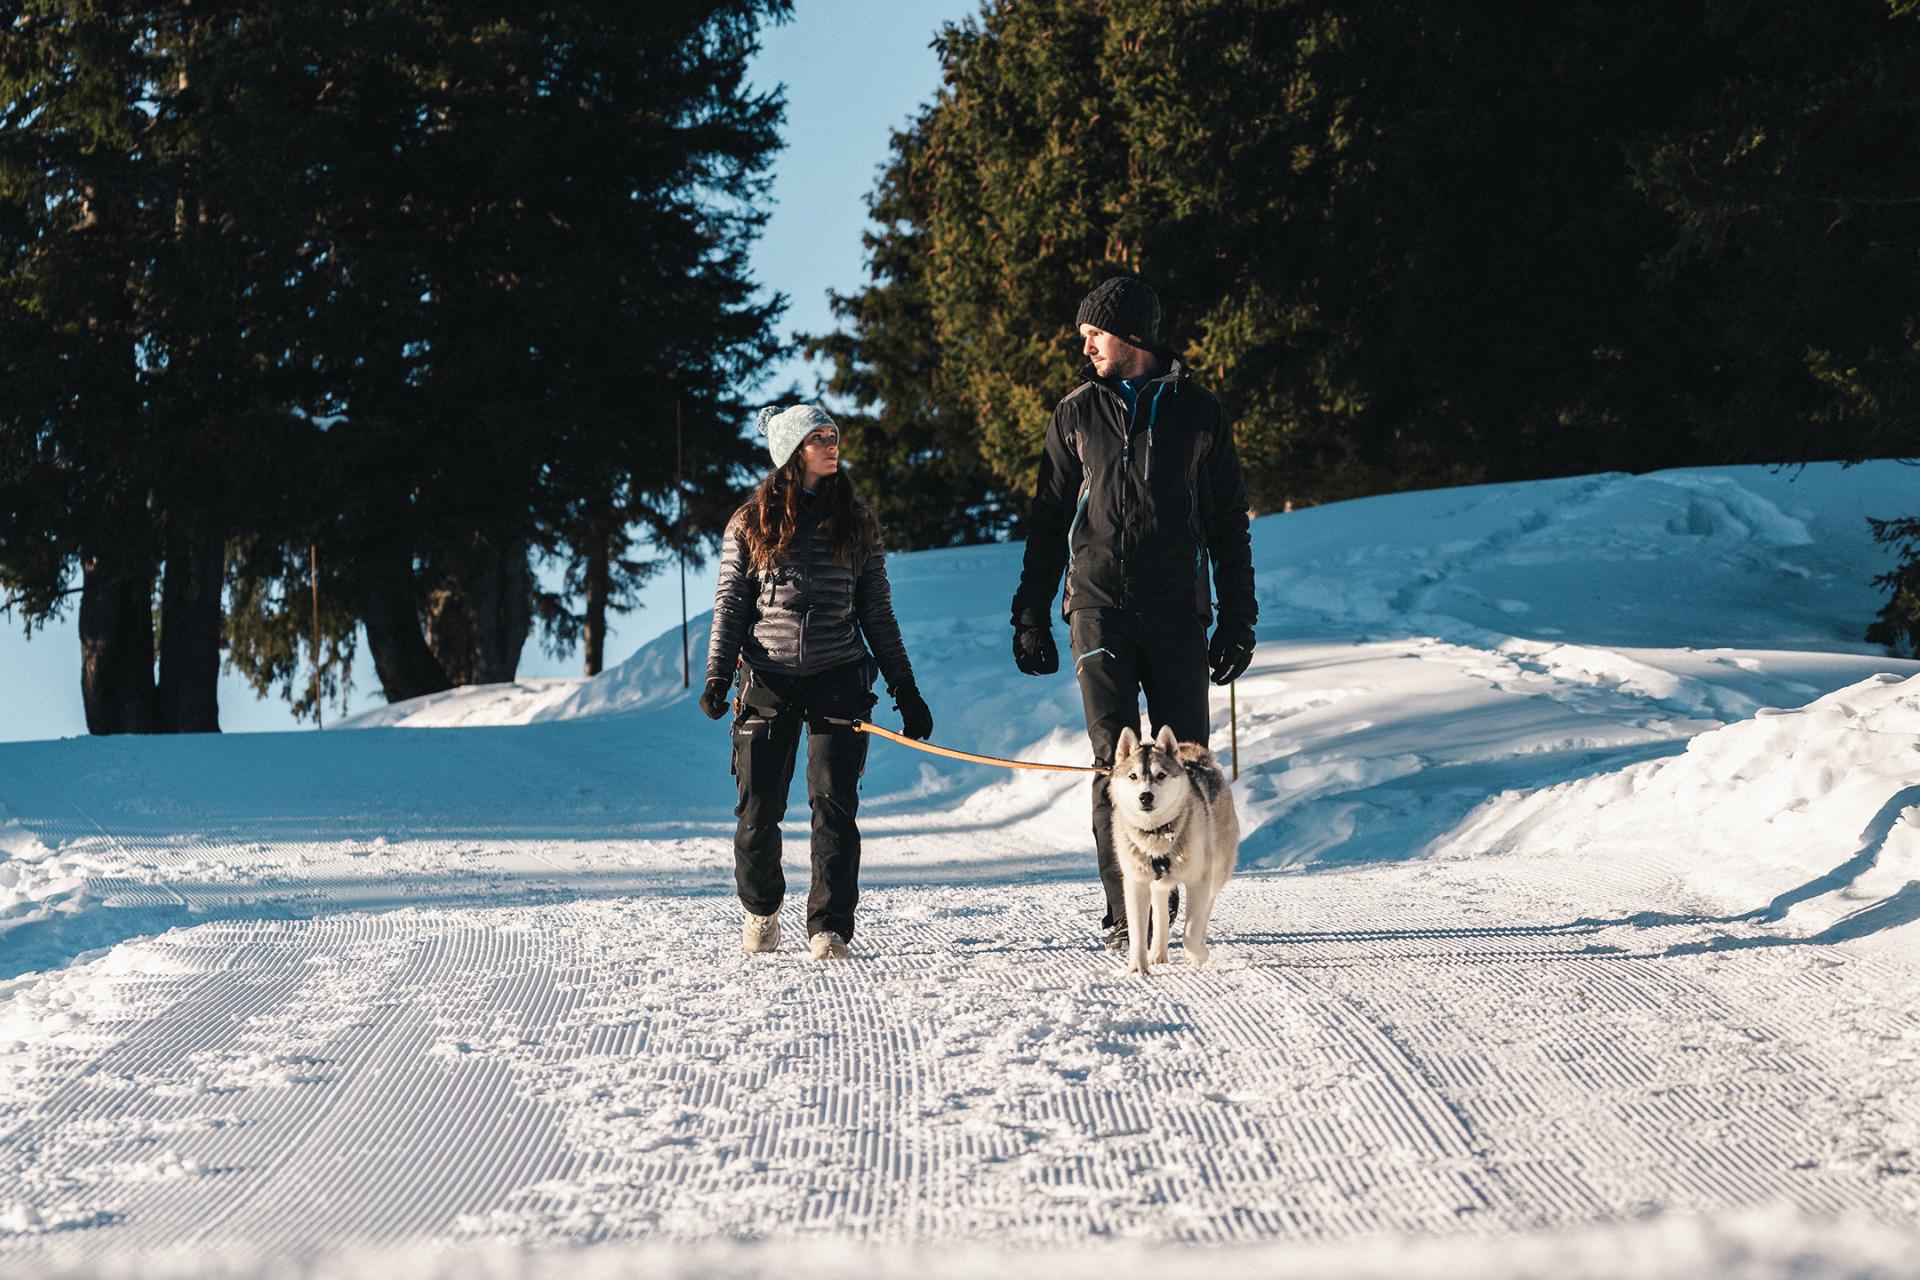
(770, 711)
(1117, 655)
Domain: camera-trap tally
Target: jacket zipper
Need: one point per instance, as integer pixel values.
(1086, 489)
(1153, 416)
(1126, 476)
(806, 590)
(1193, 527)
(1126, 479)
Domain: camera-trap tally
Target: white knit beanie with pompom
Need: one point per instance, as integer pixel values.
(786, 428)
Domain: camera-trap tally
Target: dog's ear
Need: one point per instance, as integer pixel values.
(1128, 744)
(1166, 742)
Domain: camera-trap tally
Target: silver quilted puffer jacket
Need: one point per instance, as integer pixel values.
(807, 616)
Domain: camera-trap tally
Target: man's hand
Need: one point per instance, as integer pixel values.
(713, 699)
(916, 721)
(1230, 652)
(1033, 650)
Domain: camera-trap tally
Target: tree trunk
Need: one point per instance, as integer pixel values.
(478, 622)
(599, 586)
(401, 658)
(116, 644)
(450, 631)
(498, 591)
(190, 625)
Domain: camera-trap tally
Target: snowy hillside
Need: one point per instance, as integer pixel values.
(1743, 558)
(517, 702)
(1580, 895)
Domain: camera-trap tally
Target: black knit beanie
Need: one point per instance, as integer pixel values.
(1124, 307)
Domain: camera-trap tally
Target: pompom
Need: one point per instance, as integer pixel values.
(767, 414)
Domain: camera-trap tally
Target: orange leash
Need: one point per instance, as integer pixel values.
(862, 726)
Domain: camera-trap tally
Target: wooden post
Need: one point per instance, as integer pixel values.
(680, 492)
(313, 567)
(1233, 722)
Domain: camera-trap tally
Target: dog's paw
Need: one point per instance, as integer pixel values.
(1135, 966)
(1198, 953)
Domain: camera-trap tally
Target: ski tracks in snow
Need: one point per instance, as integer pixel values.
(353, 1042)
(1372, 1051)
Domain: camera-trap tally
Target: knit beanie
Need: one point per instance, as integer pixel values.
(786, 428)
(1124, 307)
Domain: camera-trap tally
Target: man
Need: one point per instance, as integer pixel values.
(1139, 488)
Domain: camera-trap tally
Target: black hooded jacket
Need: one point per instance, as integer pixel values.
(1133, 511)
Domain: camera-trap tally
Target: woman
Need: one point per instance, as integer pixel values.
(802, 580)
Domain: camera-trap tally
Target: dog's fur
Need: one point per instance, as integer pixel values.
(1173, 823)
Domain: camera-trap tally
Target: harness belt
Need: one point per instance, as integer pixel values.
(863, 726)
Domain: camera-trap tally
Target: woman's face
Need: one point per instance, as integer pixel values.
(819, 455)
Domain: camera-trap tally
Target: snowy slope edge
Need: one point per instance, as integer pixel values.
(1808, 817)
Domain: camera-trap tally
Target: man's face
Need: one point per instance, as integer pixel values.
(1112, 355)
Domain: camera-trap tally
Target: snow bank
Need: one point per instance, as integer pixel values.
(512, 702)
(651, 677)
(1809, 815)
(45, 1027)
(479, 969)
(1722, 556)
(1554, 572)
(1742, 1246)
(35, 882)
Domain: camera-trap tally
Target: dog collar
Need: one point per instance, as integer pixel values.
(1164, 833)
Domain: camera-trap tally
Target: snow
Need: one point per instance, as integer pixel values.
(1575, 935)
(1845, 763)
(513, 702)
(1753, 1245)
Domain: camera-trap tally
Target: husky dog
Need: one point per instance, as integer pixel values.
(1173, 824)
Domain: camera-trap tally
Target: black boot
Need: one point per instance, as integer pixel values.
(1116, 936)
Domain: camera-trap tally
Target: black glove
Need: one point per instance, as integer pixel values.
(915, 720)
(713, 699)
(1033, 650)
(1230, 652)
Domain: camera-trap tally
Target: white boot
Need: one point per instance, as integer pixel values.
(760, 934)
(828, 945)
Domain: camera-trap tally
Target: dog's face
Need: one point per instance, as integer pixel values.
(1148, 783)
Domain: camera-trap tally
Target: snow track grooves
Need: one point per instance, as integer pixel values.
(1360, 1058)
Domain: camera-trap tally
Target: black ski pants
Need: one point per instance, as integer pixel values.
(1119, 654)
(770, 712)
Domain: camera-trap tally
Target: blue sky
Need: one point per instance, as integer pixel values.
(855, 70)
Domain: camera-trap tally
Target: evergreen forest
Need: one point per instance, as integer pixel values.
(1409, 242)
(354, 311)
(323, 320)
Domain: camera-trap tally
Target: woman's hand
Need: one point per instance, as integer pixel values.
(916, 721)
(713, 699)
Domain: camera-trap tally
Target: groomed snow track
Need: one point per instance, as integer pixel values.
(1365, 1055)
(1581, 892)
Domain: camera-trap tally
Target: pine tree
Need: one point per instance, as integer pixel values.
(585, 204)
(1790, 173)
(1398, 239)
(1413, 244)
(145, 311)
(912, 451)
(1793, 181)
(397, 286)
(1898, 624)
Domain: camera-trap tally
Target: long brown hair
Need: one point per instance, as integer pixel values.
(771, 518)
